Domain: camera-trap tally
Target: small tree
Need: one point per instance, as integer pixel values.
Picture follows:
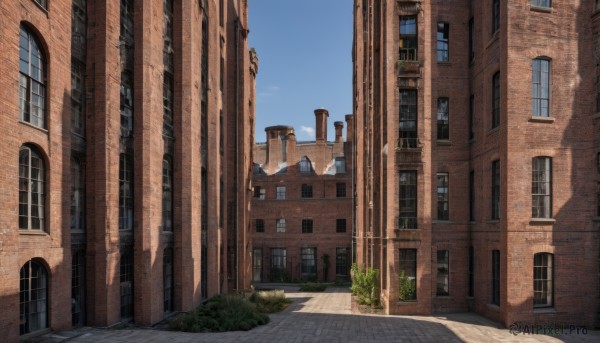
(365, 285)
(407, 288)
(325, 258)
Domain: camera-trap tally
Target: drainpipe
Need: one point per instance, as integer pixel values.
(235, 160)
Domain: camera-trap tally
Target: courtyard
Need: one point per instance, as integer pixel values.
(327, 317)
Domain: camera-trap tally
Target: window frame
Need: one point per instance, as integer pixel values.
(308, 256)
(443, 196)
(407, 263)
(408, 42)
(408, 218)
(496, 100)
(408, 119)
(443, 42)
(538, 97)
(280, 192)
(126, 192)
(77, 193)
(341, 262)
(443, 118)
(496, 268)
(34, 199)
(340, 165)
(340, 225)
(33, 83)
(443, 273)
(495, 16)
(280, 225)
(543, 192)
(168, 281)
(41, 294)
(167, 194)
(259, 225)
(43, 4)
(537, 3)
(305, 165)
(543, 280)
(307, 226)
(306, 191)
(496, 189)
(340, 190)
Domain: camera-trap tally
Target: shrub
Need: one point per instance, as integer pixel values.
(270, 301)
(313, 287)
(407, 288)
(365, 285)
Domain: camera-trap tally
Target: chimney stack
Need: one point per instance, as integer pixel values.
(349, 128)
(321, 115)
(339, 126)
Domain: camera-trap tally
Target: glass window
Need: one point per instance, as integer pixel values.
(32, 80)
(168, 35)
(32, 196)
(280, 225)
(309, 261)
(259, 192)
(543, 283)
(125, 192)
(443, 119)
(167, 194)
(540, 87)
(280, 192)
(471, 40)
(472, 117)
(340, 190)
(77, 195)
(442, 197)
(471, 292)
(443, 273)
(408, 38)
(278, 264)
(126, 279)
(168, 280)
(443, 34)
(260, 225)
(496, 277)
(307, 225)
(496, 190)
(33, 294)
(341, 262)
(79, 29)
(408, 118)
(541, 187)
(77, 97)
(78, 288)
(307, 191)
(340, 165)
(305, 165)
(407, 267)
(495, 15)
(43, 3)
(408, 200)
(340, 225)
(472, 196)
(541, 3)
(167, 105)
(126, 104)
(496, 100)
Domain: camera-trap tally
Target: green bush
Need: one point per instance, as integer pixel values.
(407, 288)
(313, 287)
(270, 301)
(222, 313)
(365, 285)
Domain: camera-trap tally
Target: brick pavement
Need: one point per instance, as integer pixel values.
(326, 317)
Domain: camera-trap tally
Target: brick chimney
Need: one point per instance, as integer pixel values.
(321, 115)
(339, 126)
(349, 128)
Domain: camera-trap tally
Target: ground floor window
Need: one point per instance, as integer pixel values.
(33, 294)
(126, 278)
(543, 280)
(168, 282)
(309, 261)
(408, 275)
(278, 264)
(78, 288)
(257, 265)
(341, 262)
(443, 273)
(496, 277)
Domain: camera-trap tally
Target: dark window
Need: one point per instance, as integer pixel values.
(443, 212)
(472, 196)
(33, 294)
(408, 274)
(32, 197)
(221, 74)
(309, 261)
(341, 262)
(541, 3)
(221, 13)
(472, 117)
(278, 264)
(307, 226)
(42, 3)
(260, 225)
(167, 105)
(541, 187)
(167, 195)
(259, 192)
(443, 273)
(495, 15)
(408, 38)
(126, 279)
(496, 277)
(77, 195)
(32, 80)
(408, 118)
(305, 165)
(408, 200)
(540, 87)
(168, 35)
(307, 191)
(496, 190)
(443, 34)
(340, 225)
(496, 100)
(280, 225)
(340, 190)
(78, 288)
(77, 97)
(125, 192)
(598, 103)
(471, 40)
(257, 265)
(543, 281)
(126, 104)
(204, 233)
(168, 280)
(471, 292)
(340, 165)
(280, 192)
(443, 119)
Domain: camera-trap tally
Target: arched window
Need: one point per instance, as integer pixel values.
(305, 165)
(167, 195)
(168, 280)
(33, 294)
(543, 280)
(32, 80)
(31, 189)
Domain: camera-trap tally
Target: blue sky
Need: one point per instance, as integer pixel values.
(305, 62)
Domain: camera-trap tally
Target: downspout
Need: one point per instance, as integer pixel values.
(237, 141)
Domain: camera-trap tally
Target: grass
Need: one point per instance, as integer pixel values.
(270, 301)
(313, 287)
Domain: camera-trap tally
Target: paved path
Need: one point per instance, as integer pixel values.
(326, 317)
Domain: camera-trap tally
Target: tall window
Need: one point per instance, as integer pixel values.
(127, 54)
(260, 225)
(77, 97)
(125, 192)
(126, 279)
(32, 80)
(443, 272)
(471, 40)
(541, 3)
(43, 3)
(496, 189)
(340, 165)
(471, 292)
(471, 117)
(305, 165)
(408, 200)
(306, 191)
(32, 196)
(259, 192)
(408, 268)
(77, 195)
(541, 188)
(309, 261)
(78, 288)
(278, 263)
(443, 119)
(341, 262)
(472, 196)
(443, 212)
(408, 118)
(126, 104)
(495, 15)
(496, 100)
(443, 34)
(540, 87)
(543, 283)
(280, 192)
(280, 225)
(168, 281)
(408, 38)
(340, 190)
(307, 225)
(167, 105)
(340, 225)
(496, 277)
(33, 294)
(167, 194)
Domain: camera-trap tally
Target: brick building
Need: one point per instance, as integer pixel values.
(127, 137)
(302, 205)
(477, 156)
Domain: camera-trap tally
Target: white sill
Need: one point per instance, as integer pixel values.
(542, 221)
(540, 9)
(33, 232)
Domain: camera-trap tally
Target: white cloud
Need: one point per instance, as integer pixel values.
(309, 131)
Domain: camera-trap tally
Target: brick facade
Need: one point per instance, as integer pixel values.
(87, 278)
(385, 70)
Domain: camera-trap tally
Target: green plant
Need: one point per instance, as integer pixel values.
(365, 285)
(313, 287)
(407, 288)
(279, 275)
(270, 301)
(325, 258)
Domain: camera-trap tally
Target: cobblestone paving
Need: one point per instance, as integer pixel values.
(326, 317)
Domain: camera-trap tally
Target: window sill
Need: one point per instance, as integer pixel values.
(494, 38)
(407, 302)
(596, 116)
(494, 130)
(493, 221)
(33, 126)
(541, 310)
(33, 232)
(541, 120)
(535, 8)
(444, 297)
(444, 142)
(444, 63)
(442, 222)
(542, 221)
(493, 307)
